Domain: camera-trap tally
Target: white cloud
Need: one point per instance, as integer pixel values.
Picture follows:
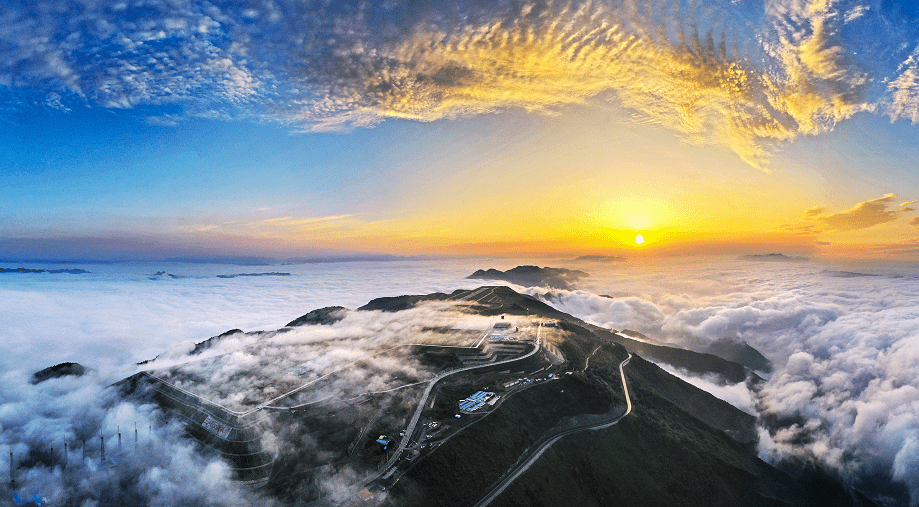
(742, 75)
(738, 395)
(116, 315)
(164, 468)
(845, 351)
(904, 90)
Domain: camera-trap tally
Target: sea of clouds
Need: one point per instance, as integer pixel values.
(844, 346)
(119, 314)
(845, 350)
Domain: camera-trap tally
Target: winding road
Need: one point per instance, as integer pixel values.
(410, 430)
(523, 467)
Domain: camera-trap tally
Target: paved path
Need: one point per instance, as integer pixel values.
(410, 430)
(523, 467)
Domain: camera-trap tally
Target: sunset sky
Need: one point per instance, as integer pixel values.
(148, 129)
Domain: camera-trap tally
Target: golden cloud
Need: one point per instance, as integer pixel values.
(696, 85)
(862, 215)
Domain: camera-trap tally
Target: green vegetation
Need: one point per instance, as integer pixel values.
(715, 412)
(580, 342)
(660, 455)
(695, 362)
(439, 360)
(476, 457)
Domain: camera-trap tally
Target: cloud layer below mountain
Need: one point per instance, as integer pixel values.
(845, 352)
(845, 349)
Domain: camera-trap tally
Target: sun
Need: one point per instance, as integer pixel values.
(639, 239)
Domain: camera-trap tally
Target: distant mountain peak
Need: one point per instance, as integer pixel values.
(600, 258)
(533, 276)
(740, 352)
(779, 257)
(58, 371)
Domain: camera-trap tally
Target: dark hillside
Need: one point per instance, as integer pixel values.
(660, 455)
(696, 362)
(399, 303)
(713, 411)
(58, 371)
(486, 300)
(741, 353)
(533, 276)
(325, 316)
(478, 456)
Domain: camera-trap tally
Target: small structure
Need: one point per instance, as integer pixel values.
(365, 494)
(475, 402)
(216, 427)
(384, 441)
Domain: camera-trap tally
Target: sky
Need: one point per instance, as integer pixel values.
(152, 129)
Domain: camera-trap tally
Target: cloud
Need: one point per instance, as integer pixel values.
(120, 56)
(738, 395)
(844, 351)
(105, 326)
(862, 215)
(163, 468)
(904, 90)
(302, 228)
(813, 212)
(116, 316)
(801, 230)
(258, 366)
(856, 12)
(541, 59)
(740, 75)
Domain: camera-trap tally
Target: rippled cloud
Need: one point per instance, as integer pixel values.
(743, 75)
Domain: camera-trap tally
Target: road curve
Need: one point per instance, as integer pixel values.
(410, 430)
(523, 467)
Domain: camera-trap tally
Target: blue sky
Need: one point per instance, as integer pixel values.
(285, 128)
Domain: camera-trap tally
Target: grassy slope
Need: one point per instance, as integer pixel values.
(459, 471)
(660, 455)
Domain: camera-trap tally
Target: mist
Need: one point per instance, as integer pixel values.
(844, 349)
(119, 315)
(843, 389)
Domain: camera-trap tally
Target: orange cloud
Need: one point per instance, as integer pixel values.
(862, 215)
